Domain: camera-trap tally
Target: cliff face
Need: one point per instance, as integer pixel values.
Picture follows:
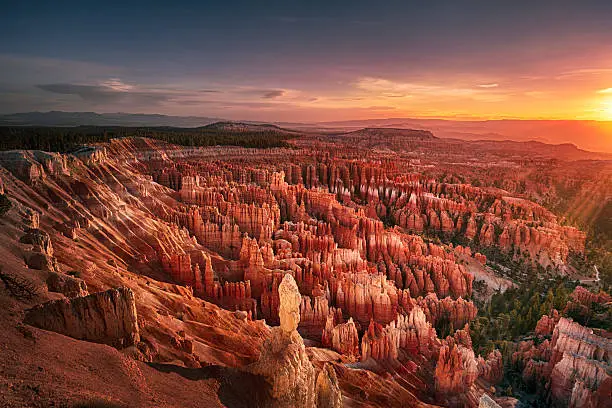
(104, 317)
(581, 363)
(575, 364)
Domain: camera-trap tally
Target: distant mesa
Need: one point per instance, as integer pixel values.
(414, 134)
(229, 126)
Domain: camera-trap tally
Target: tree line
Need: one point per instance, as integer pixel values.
(65, 140)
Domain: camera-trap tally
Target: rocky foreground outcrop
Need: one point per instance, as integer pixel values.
(285, 364)
(66, 284)
(105, 317)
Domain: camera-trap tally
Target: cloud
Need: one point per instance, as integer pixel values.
(94, 93)
(112, 90)
(117, 85)
(537, 94)
(583, 72)
(605, 91)
(380, 107)
(273, 94)
(395, 95)
(385, 86)
(421, 91)
(260, 93)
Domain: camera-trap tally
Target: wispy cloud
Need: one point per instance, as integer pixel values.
(493, 85)
(393, 89)
(584, 72)
(406, 88)
(117, 85)
(273, 94)
(536, 94)
(112, 90)
(605, 91)
(94, 93)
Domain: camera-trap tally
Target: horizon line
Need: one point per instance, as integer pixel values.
(445, 118)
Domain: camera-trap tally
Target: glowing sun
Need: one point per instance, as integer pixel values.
(606, 110)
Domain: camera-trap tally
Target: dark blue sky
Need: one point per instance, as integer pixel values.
(291, 60)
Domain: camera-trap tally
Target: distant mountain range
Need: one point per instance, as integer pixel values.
(587, 135)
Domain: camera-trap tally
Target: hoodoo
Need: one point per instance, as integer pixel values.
(285, 364)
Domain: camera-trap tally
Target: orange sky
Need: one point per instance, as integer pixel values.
(311, 61)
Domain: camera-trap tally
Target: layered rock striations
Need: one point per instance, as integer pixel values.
(104, 317)
(456, 369)
(575, 365)
(581, 364)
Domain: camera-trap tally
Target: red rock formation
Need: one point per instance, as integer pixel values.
(342, 337)
(104, 317)
(67, 285)
(547, 323)
(365, 296)
(339, 220)
(491, 369)
(582, 299)
(455, 312)
(410, 333)
(41, 257)
(575, 363)
(378, 343)
(314, 315)
(456, 369)
(578, 357)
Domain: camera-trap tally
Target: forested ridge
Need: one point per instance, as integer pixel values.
(66, 139)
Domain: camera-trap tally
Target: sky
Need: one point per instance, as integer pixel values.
(308, 61)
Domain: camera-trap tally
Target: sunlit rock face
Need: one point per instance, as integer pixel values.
(456, 369)
(575, 364)
(105, 317)
(487, 402)
(581, 363)
(289, 308)
(285, 364)
(241, 257)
